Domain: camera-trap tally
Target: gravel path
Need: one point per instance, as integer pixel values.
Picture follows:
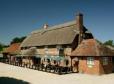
(39, 77)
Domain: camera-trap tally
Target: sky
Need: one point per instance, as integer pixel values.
(21, 17)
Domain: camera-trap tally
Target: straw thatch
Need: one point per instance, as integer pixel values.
(91, 47)
(55, 35)
(13, 49)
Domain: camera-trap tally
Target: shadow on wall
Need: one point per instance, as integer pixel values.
(7, 80)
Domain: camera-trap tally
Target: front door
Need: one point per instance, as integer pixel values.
(75, 63)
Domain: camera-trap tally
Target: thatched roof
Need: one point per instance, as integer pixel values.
(55, 35)
(91, 47)
(13, 49)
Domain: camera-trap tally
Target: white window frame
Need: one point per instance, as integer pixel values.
(46, 50)
(58, 48)
(90, 61)
(105, 60)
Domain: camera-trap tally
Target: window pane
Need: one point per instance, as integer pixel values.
(90, 61)
(105, 60)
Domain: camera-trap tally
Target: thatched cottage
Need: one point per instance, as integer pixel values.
(69, 39)
(60, 39)
(94, 57)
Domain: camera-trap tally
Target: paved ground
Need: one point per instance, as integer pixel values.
(39, 77)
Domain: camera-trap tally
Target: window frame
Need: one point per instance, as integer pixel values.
(46, 50)
(105, 60)
(90, 61)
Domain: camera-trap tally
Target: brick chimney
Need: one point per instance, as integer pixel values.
(45, 26)
(79, 23)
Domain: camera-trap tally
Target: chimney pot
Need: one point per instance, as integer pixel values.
(79, 14)
(79, 20)
(45, 26)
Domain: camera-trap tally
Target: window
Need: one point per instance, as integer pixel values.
(60, 50)
(105, 60)
(46, 50)
(90, 61)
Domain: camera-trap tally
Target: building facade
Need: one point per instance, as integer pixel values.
(59, 40)
(71, 39)
(94, 57)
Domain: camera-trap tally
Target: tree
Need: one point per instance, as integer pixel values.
(1, 48)
(17, 39)
(109, 42)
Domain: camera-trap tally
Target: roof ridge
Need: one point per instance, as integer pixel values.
(59, 26)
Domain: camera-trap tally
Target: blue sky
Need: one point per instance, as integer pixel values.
(20, 17)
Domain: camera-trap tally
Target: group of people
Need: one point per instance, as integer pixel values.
(55, 64)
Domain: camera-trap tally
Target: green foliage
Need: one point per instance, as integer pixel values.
(109, 42)
(1, 47)
(18, 39)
